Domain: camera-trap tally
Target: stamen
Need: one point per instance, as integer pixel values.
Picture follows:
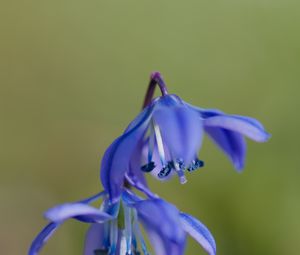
(123, 245)
(138, 233)
(179, 167)
(197, 163)
(134, 244)
(180, 164)
(165, 171)
(182, 179)
(151, 144)
(113, 236)
(148, 167)
(106, 235)
(101, 252)
(106, 207)
(159, 142)
(135, 248)
(128, 228)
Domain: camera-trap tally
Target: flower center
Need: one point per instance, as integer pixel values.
(155, 145)
(122, 234)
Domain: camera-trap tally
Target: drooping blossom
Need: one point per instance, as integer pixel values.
(115, 229)
(165, 139)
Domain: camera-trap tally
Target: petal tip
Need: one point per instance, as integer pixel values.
(263, 137)
(239, 166)
(239, 169)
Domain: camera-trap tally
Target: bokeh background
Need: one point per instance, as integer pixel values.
(74, 73)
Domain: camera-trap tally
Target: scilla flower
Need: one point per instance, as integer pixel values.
(165, 138)
(115, 228)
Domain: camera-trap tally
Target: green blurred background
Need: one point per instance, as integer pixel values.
(74, 73)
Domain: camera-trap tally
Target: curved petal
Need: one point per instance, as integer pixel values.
(232, 143)
(164, 247)
(115, 162)
(199, 232)
(243, 125)
(205, 113)
(94, 239)
(160, 220)
(111, 209)
(247, 126)
(42, 238)
(134, 172)
(181, 130)
(141, 115)
(139, 186)
(79, 211)
(92, 198)
(129, 198)
(47, 232)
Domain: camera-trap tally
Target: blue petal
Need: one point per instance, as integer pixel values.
(79, 211)
(160, 220)
(243, 125)
(134, 172)
(94, 239)
(115, 162)
(232, 143)
(139, 186)
(205, 113)
(138, 119)
(99, 235)
(129, 198)
(92, 198)
(247, 126)
(199, 232)
(42, 238)
(111, 209)
(227, 132)
(181, 129)
(47, 232)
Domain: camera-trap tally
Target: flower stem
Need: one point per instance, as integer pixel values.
(155, 79)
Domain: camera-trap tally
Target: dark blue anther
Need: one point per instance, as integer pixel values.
(180, 163)
(171, 164)
(166, 170)
(197, 163)
(101, 252)
(148, 167)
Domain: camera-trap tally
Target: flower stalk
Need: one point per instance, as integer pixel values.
(155, 79)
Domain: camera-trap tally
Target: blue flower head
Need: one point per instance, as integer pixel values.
(115, 229)
(165, 139)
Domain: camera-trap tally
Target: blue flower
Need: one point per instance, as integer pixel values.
(115, 228)
(80, 210)
(165, 139)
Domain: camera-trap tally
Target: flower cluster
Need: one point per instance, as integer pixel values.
(163, 140)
